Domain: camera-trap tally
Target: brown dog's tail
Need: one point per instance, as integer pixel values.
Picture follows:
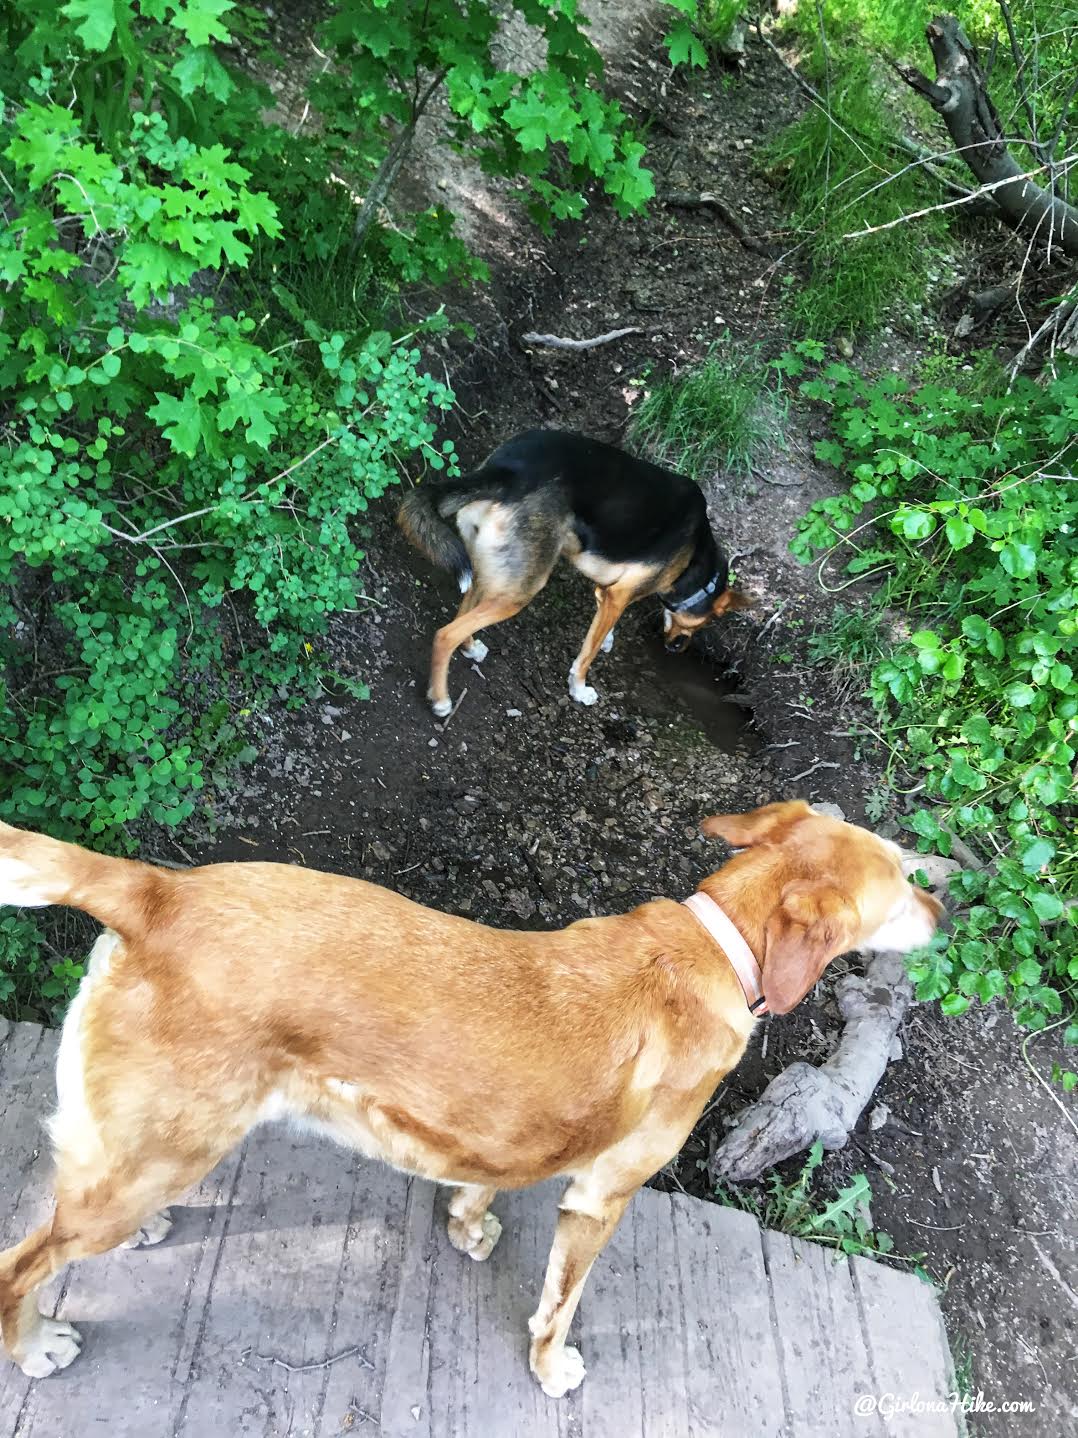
(426, 517)
(36, 871)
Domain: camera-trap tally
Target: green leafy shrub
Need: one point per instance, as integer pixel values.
(966, 507)
(202, 377)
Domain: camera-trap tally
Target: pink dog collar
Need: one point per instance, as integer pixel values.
(742, 960)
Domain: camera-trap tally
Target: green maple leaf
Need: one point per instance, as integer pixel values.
(199, 69)
(44, 134)
(211, 171)
(229, 243)
(200, 20)
(148, 269)
(592, 146)
(180, 420)
(630, 184)
(257, 211)
(95, 21)
(530, 118)
(684, 48)
(254, 408)
(378, 34)
(191, 236)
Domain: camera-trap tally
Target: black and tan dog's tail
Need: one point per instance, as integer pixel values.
(426, 516)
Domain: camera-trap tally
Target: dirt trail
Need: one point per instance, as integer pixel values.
(528, 810)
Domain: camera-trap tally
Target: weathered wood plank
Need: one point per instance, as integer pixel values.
(821, 1344)
(365, 1299)
(139, 1312)
(270, 1301)
(27, 1096)
(732, 1362)
(632, 1316)
(459, 1350)
(908, 1349)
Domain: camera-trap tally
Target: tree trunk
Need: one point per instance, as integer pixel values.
(959, 95)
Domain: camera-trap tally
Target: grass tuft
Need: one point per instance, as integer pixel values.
(854, 639)
(839, 172)
(715, 416)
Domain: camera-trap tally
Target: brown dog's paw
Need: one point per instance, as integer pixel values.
(475, 1238)
(155, 1229)
(52, 1344)
(561, 1370)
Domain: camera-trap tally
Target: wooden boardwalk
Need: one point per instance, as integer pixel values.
(304, 1291)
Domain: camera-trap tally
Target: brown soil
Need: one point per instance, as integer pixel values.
(527, 810)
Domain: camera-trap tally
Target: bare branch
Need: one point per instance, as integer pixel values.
(555, 342)
(1068, 100)
(1020, 79)
(953, 204)
(148, 534)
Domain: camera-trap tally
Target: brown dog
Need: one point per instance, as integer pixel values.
(225, 996)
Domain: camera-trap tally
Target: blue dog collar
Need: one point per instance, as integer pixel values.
(694, 600)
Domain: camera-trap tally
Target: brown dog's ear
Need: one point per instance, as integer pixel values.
(731, 599)
(813, 925)
(760, 826)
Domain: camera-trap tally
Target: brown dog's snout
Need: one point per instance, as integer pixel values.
(937, 910)
(678, 644)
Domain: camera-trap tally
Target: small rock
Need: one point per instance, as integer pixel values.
(513, 713)
(879, 1116)
(833, 810)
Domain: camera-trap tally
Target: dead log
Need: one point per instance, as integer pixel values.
(960, 95)
(803, 1103)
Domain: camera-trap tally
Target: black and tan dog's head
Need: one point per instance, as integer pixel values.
(680, 626)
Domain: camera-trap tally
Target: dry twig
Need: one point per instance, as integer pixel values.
(556, 342)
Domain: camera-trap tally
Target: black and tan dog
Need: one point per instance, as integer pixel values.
(633, 528)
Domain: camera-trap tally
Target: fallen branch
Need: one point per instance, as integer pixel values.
(989, 191)
(707, 200)
(556, 342)
(820, 764)
(456, 706)
(959, 94)
(1061, 327)
(803, 1103)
